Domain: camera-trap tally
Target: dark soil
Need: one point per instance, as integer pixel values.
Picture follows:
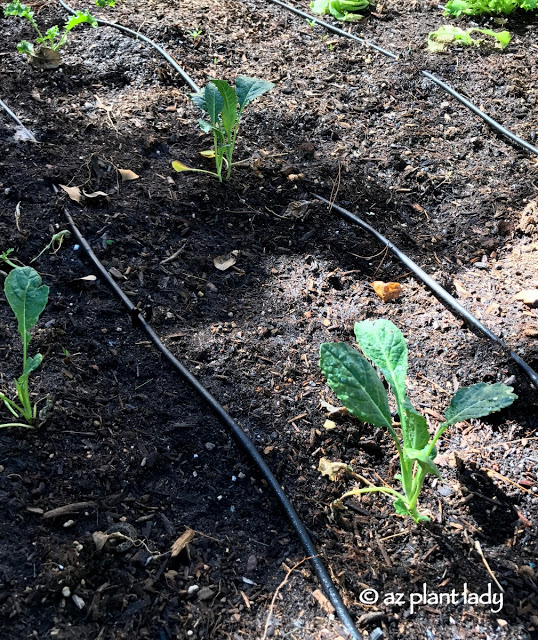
(128, 448)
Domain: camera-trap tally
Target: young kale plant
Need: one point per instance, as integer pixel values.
(357, 385)
(224, 106)
(27, 297)
(448, 34)
(47, 53)
(457, 8)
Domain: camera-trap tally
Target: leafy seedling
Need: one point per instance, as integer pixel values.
(457, 8)
(27, 298)
(47, 55)
(55, 243)
(195, 34)
(448, 34)
(357, 385)
(224, 106)
(344, 10)
(105, 3)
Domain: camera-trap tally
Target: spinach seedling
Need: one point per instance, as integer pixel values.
(47, 54)
(448, 34)
(27, 298)
(224, 106)
(357, 385)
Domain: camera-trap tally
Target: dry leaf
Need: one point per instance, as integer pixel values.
(460, 289)
(323, 601)
(226, 261)
(331, 469)
(95, 194)
(333, 411)
(72, 192)
(329, 425)
(387, 291)
(127, 174)
(528, 296)
(99, 539)
(208, 154)
(182, 542)
(86, 278)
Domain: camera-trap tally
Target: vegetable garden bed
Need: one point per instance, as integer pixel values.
(127, 445)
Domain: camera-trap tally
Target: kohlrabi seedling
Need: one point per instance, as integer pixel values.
(357, 385)
(27, 297)
(47, 55)
(224, 106)
(478, 7)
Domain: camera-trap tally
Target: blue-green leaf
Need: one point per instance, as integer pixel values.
(214, 102)
(248, 89)
(356, 383)
(27, 298)
(229, 108)
(383, 343)
(32, 364)
(478, 400)
(199, 99)
(424, 460)
(205, 126)
(414, 427)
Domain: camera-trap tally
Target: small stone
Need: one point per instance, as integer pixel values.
(252, 563)
(205, 593)
(69, 523)
(66, 592)
(192, 589)
(209, 446)
(79, 602)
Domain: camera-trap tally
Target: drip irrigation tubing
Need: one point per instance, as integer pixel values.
(184, 75)
(449, 301)
(238, 434)
(430, 76)
(29, 135)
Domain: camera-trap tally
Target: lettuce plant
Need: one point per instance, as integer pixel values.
(448, 34)
(52, 40)
(224, 106)
(27, 298)
(344, 10)
(457, 8)
(359, 388)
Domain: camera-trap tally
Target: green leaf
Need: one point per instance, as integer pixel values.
(214, 102)
(26, 47)
(478, 400)
(27, 297)
(400, 508)
(248, 89)
(32, 364)
(356, 383)
(414, 427)
(205, 126)
(320, 6)
(424, 460)
(79, 18)
(229, 108)
(383, 343)
(18, 9)
(199, 100)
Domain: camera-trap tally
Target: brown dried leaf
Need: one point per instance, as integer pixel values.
(73, 192)
(99, 539)
(226, 261)
(528, 296)
(331, 469)
(96, 194)
(387, 291)
(182, 542)
(460, 289)
(127, 174)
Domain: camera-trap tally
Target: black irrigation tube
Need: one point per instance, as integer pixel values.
(435, 287)
(140, 36)
(237, 433)
(10, 113)
(488, 119)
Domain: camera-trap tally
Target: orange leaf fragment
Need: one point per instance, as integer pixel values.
(387, 291)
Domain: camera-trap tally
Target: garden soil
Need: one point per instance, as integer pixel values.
(127, 460)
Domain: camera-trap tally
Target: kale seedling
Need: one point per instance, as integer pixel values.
(344, 10)
(457, 8)
(359, 388)
(448, 34)
(46, 55)
(27, 297)
(224, 106)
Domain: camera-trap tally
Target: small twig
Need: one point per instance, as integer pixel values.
(516, 484)
(277, 591)
(480, 552)
(176, 254)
